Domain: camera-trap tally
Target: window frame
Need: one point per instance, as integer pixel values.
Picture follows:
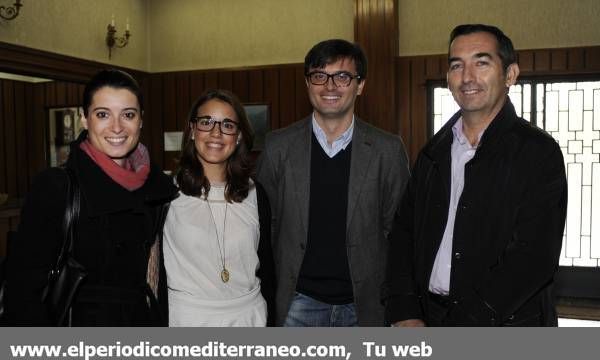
(577, 283)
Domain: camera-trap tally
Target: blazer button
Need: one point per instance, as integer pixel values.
(302, 246)
(457, 255)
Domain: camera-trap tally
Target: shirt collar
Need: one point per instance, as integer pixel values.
(338, 144)
(459, 135)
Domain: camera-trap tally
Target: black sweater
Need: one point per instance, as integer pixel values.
(325, 273)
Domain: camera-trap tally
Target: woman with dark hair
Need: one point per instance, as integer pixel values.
(122, 195)
(217, 232)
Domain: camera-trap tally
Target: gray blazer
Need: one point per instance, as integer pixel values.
(378, 175)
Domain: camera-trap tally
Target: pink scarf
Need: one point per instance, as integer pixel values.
(135, 169)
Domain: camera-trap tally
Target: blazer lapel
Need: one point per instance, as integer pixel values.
(359, 166)
(299, 158)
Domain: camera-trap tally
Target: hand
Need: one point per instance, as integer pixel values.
(409, 323)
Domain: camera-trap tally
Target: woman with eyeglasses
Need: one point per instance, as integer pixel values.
(216, 242)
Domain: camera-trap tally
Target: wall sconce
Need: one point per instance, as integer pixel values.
(112, 40)
(9, 13)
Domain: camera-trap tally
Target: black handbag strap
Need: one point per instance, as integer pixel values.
(71, 218)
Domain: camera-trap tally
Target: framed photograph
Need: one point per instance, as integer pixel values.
(64, 125)
(258, 114)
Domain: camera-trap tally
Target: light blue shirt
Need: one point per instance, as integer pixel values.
(338, 144)
(462, 152)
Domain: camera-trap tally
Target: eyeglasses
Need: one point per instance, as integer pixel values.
(341, 78)
(207, 123)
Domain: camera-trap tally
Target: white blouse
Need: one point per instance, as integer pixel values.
(193, 259)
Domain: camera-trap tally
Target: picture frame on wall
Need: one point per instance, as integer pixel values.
(64, 126)
(258, 115)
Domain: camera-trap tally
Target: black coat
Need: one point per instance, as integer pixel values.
(116, 229)
(507, 234)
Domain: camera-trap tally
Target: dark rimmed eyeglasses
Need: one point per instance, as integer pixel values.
(341, 78)
(207, 123)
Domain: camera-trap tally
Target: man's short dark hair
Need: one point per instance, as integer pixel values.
(112, 78)
(329, 51)
(506, 51)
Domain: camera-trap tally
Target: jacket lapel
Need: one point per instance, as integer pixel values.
(360, 162)
(299, 158)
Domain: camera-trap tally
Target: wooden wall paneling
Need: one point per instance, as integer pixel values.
(256, 86)
(432, 67)
(36, 131)
(72, 97)
(22, 60)
(376, 30)
(28, 129)
(558, 59)
(390, 9)
(360, 26)
(146, 132)
(541, 60)
(20, 139)
(51, 99)
(592, 58)
(303, 106)
(271, 92)
(361, 12)
(444, 66)
(154, 119)
(418, 107)
(3, 149)
(182, 99)
(81, 88)
(403, 103)
(240, 85)
(379, 58)
(9, 138)
(287, 96)
(170, 102)
(225, 80)
(196, 86)
(212, 80)
(391, 29)
(525, 59)
(61, 94)
(575, 59)
(169, 114)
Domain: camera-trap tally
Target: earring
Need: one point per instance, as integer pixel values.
(237, 142)
(192, 138)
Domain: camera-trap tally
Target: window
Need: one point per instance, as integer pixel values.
(570, 112)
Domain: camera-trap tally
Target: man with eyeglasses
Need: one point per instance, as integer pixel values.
(334, 183)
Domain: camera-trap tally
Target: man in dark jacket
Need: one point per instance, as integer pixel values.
(478, 235)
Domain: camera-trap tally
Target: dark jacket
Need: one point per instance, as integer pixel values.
(507, 234)
(116, 229)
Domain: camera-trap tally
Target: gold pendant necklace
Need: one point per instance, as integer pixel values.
(225, 275)
(224, 272)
